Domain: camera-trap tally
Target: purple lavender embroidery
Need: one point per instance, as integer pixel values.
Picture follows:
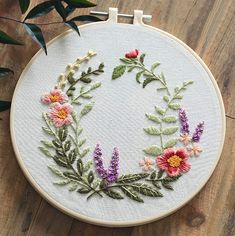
(184, 121)
(99, 165)
(198, 132)
(113, 167)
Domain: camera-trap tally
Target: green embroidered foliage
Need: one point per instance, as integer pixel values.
(46, 151)
(81, 142)
(73, 186)
(160, 110)
(62, 182)
(132, 177)
(170, 130)
(174, 106)
(153, 150)
(152, 130)
(118, 71)
(131, 194)
(90, 177)
(80, 167)
(84, 190)
(47, 130)
(87, 108)
(84, 152)
(138, 76)
(113, 194)
(169, 119)
(56, 171)
(153, 118)
(148, 80)
(47, 143)
(170, 143)
(154, 66)
(166, 98)
(146, 190)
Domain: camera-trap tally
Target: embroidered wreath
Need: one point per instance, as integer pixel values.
(163, 163)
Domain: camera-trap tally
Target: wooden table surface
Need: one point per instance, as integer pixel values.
(207, 26)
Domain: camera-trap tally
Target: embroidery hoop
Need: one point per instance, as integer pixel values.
(113, 20)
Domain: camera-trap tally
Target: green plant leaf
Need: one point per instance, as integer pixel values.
(24, 5)
(47, 143)
(62, 182)
(40, 10)
(90, 177)
(47, 130)
(86, 18)
(169, 119)
(84, 152)
(138, 75)
(56, 171)
(6, 39)
(170, 130)
(152, 130)
(113, 194)
(46, 151)
(167, 185)
(142, 58)
(80, 3)
(60, 9)
(174, 106)
(131, 178)
(81, 142)
(73, 26)
(84, 190)
(160, 110)
(160, 174)
(153, 150)
(86, 109)
(35, 32)
(73, 186)
(5, 71)
(148, 80)
(118, 71)
(166, 98)
(146, 190)
(80, 166)
(153, 175)
(153, 118)
(131, 194)
(4, 105)
(154, 66)
(69, 10)
(170, 143)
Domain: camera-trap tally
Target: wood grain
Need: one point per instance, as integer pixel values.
(208, 26)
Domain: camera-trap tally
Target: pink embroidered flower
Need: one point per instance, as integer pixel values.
(56, 95)
(185, 138)
(194, 150)
(60, 114)
(147, 163)
(173, 161)
(132, 54)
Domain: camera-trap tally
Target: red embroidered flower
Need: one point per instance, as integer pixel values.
(173, 161)
(132, 54)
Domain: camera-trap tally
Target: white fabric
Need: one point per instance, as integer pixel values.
(118, 116)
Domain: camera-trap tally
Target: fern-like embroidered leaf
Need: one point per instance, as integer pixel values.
(46, 151)
(62, 182)
(153, 118)
(131, 194)
(132, 177)
(153, 150)
(118, 71)
(56, 171)
(146, 190)
(170, 130)
(113, 194)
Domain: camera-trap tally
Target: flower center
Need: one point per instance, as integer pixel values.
(54, 98)
(62, 114)
(174, 161)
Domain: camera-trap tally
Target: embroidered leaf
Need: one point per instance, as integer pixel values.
(148, 80)
(71, 175)
(81, 142)
(6, 39)
(131, 194)
(153, 150)
(55, 171)
(84, 190)
(170, 130)
(156, 184)
(131, 178)
(142, 58)
(87, 108)
(138, 75)
(67, 145)
(160, 110)
(80, 166)
(153, 175)
(87, 96)
(62, 182)
(95, 85)
(118, 71)
(73, 186)
(170, 143)
(166, 98)
(154, 66)
(174, 106)
(146, 190)
(45, 151)
(63, 132)
(178, 96)
(186, 83)
(152, 131)
(153, 118)
(84, 152)
(72, 156)
(87, 166)
(169, 119)
(60, 161)
(47, 130)
(167, 185)
(113, 194)
(160, 174)
(47, 143)
(90, 177)
(171, 179)
(5, 71)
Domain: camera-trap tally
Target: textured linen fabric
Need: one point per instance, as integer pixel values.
(118, 117)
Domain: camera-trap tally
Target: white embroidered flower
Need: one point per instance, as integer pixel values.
(185, 138)
(194, 150)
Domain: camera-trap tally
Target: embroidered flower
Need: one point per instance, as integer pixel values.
(132, 54)
(173, 161)
(147, 164)
(113, 167)
(56, 95)
(185, 138)
(184, 121)
(198, 132)
(194, 150)
(60, 114)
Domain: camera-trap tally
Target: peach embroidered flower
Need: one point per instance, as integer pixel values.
(194, 150)
(173, 161)
(147, 163)
(56, 95)
(185, 138)
(60, 114)
(132, 54)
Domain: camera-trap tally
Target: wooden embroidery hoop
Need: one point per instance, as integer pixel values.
(113, 17)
